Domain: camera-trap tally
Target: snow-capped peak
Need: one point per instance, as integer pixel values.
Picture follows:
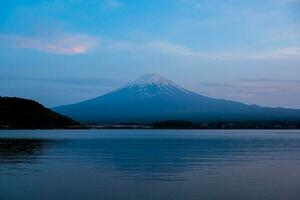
(146, 84)
(151, 79)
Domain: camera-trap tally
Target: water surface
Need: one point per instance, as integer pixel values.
(149, 164)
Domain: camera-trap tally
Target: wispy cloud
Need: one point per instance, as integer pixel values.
(113, 4)
(54, 91)
(263, 91)
(221, 85)
(257, 86)
(181, 50)
(65, 44)
(269, 80)
(175, 49)
(278, 53)
(271, 23)
(59, 5)
(99, 82)
(71, 44)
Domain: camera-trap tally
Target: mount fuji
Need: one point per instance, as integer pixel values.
(153, 98)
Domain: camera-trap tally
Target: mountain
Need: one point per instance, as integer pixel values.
(17, 113)
(153, 98)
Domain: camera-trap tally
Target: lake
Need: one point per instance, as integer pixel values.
(150, 164)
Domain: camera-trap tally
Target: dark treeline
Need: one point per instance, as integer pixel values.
(175, 124)
(17, 113)
(227, 125)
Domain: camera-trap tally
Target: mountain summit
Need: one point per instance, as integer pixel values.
(150, 79)
(153, 98)
(154, 84)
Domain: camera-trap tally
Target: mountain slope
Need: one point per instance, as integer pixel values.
(20, 113)
(153, 98)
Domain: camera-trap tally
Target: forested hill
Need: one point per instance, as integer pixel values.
(18, 113)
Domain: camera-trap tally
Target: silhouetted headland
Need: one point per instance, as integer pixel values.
(18, 113)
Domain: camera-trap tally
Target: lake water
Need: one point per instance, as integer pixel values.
(150, 164)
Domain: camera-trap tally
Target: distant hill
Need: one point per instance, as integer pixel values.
(153, 98)
(17, 113)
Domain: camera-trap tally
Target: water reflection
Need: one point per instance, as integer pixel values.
(20, 155)
(154, 158)
(147, 158)
(181, 165)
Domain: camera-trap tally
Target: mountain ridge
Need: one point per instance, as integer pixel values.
(153, 98)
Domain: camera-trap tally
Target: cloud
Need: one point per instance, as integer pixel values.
(62, 5)
(268, 80)
(99, 82)
(273, 54)
(175, 49)
(113, 4)
(221, 85)
(184, 51)
(72, 44)
(272, 23)
(65, 44)
(57, 91)
(263, 91)
(261, 86)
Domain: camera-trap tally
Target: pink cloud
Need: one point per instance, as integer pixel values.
(70, 44)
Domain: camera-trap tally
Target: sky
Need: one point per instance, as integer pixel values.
(65, 51)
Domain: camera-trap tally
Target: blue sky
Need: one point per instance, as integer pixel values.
(64, 51)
